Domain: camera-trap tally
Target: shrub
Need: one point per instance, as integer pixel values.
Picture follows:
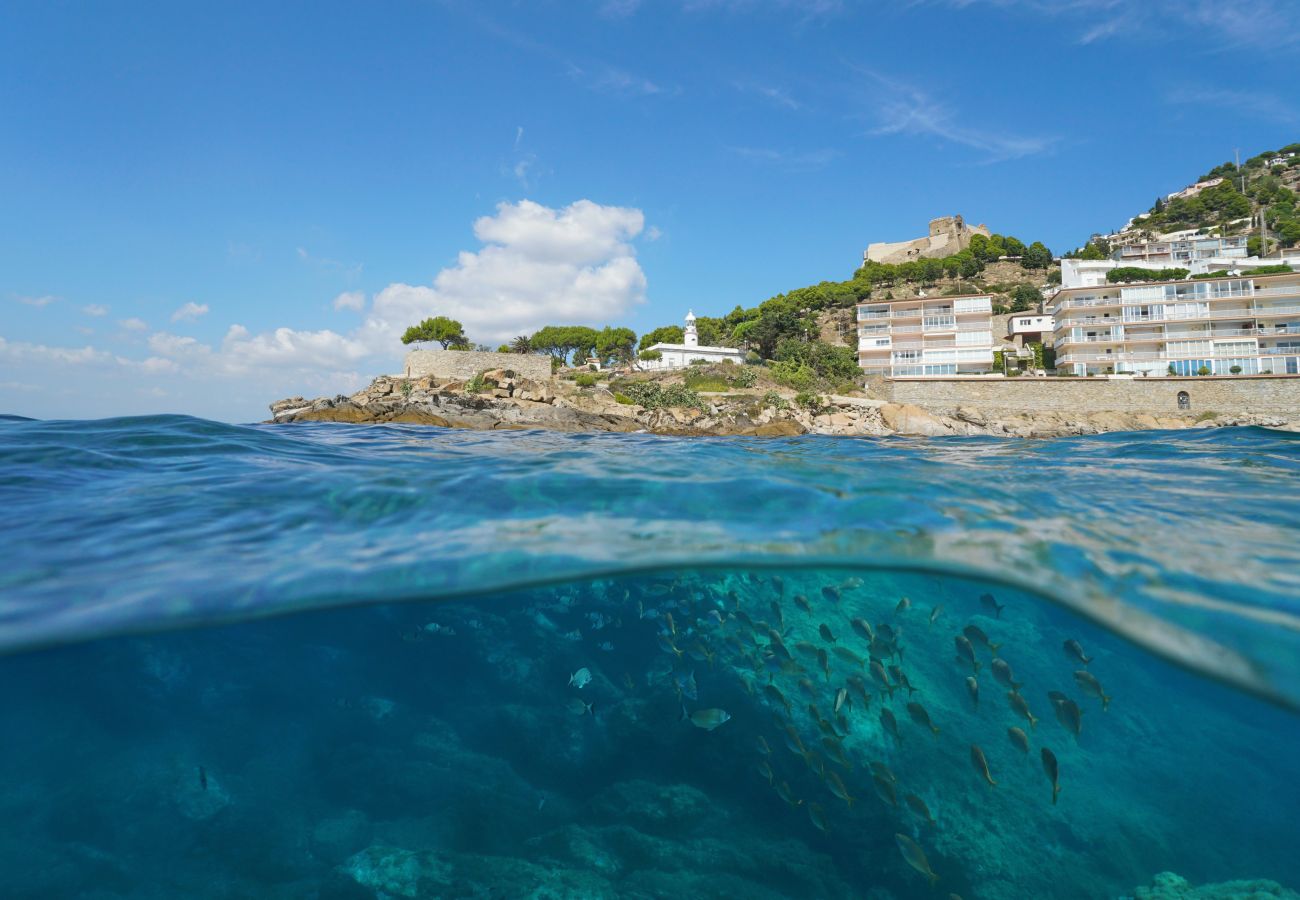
(1203, 370)
(752, 358)
(622, 398)
(745, 378)
(797, 375)
(585, 380)
(775, 400)
(407, 387)
(810, 401)
(703, 381)
(699, 362)
(1172, 370)
(655, 396)
(476, 384)
(1235, 370)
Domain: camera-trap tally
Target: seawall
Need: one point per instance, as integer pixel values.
(1257, 394)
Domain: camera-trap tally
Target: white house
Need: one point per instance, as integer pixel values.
(678, 356)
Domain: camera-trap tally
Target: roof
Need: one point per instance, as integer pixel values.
(1129, 284)
(690, 347)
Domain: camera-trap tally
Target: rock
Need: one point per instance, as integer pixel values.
(904, 418)
(653, 808)
(779, 428)
(1168, 886)
(289, 403)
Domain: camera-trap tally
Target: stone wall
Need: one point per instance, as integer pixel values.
(1258, 394)
(462, 365)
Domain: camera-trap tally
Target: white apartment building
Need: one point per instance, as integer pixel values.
(1183, 252)
(926, 336)
(1215, 324)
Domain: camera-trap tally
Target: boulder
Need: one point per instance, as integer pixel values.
(904, 418)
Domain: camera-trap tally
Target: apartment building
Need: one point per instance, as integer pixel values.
(1250, 324)
(926, 336)
(1182, 252)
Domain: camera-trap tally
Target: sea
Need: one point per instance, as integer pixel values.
(365, 662)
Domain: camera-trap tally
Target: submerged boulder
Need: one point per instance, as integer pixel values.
(1169, 886)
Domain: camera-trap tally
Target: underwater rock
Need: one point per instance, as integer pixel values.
(198, 797)
(337, 837)
(395, 872)
(1169, 886)
(402, 873)
(652, 807)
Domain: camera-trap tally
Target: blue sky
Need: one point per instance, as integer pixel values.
(202, 210)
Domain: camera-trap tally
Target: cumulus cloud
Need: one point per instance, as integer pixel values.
(538, 265)
(95, 309)
(354, 300)
(190, 311)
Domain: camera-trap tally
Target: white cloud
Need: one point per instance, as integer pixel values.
(354, 300)
(134, 324)
(190, 311)
(38, 302)
(902, 108)
(95, 309)
(537, 266)
(777, 96)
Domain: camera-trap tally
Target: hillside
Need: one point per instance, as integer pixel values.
(1227, 201)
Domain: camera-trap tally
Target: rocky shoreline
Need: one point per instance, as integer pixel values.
(502, 401)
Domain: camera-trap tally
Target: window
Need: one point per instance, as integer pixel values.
(1184, 400)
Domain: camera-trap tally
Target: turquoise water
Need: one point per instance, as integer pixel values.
(346, 662)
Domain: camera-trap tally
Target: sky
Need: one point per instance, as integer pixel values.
(207, 208)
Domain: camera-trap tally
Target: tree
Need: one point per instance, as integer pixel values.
(615, 344)
(1024, 298)
(521, 344)
(1036, 256)
(445, 331)
(561, 340)
(668, 334)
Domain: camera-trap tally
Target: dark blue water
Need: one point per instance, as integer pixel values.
(406, 725)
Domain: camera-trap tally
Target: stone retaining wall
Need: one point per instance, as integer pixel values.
(462, 365)
(1259, 394)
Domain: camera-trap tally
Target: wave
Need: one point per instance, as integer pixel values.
(1182, 542)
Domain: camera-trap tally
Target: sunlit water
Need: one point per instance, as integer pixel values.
(416, 722)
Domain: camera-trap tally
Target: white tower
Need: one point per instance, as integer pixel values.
(691, 338)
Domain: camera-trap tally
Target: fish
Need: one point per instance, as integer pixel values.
(708, 719)
(606, 646)
(793, 742)
(935, 613)
(881, 770)
(686, 685)
(976, 636)
(804, 648)
(1070, 716)
(862, 628)
(883, 649)
(885, 790)
(841, 697)
(783, 791)
(672, 626)
(779, 583)
(973, 690)
(880, 677)
(915, 857)
(852, 583)
(802, 602)
(921, 717)
(831, 593)
(838, 789)
(814, 763)
(1002, 673)
(902, 606)
(988, 602)
(699, 652)
(1089, 684)
(765, 769)
(1074, 651)
(579, 708)
(761, 743)
(981, 764)
(1019, 739)
(836, 751)
(203, 779)
(777, 614)
(581, 678)
(806, 685)
(824, 630)
(887, 632)
(966, 651)
(773, 693)
(818, 817)
(917, 805)
(848, 655)
(1052, 771)
(825, 662)
(890, 724)
(900, 679)
(667, 644)
(1021, 708)
(1056, 697)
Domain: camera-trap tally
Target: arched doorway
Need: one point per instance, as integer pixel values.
(1184, 400)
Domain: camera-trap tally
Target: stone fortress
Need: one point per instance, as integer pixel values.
(948, 235)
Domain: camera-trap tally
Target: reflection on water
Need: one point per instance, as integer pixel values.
(804, 732)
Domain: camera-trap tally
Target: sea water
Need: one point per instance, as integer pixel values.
(328, 661)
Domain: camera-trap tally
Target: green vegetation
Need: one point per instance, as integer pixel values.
(620, 397)
(705, 381)
(477, 384)
(1262, 270)
(668, 334)
(746, 377)
(448, 332)
(649, 355)
(653, 395)
(1132, 273)
(775, 400)
(584, 380)
(521, 344)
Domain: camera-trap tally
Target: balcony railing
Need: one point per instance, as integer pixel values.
(1139, 355)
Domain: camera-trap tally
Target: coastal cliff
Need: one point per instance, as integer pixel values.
(502, 400)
